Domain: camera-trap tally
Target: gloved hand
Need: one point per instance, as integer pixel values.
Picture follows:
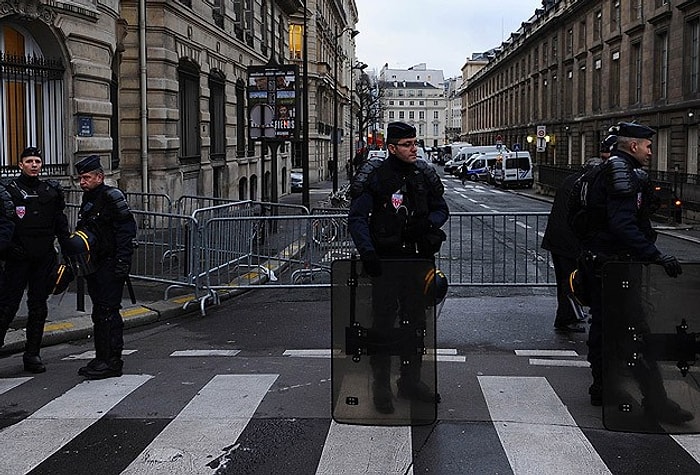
(416, 228)
(371, 264)
(122, 268)
(670, 265)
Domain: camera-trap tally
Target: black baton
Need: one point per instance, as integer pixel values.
(130, 288)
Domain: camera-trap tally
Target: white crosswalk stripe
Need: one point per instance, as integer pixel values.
(27, 443)
(536, 430)
(198, 439)
(537, 433)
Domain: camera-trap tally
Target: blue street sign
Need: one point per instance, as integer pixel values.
(516, 147)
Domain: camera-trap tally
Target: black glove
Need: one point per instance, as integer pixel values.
(122, 268)
(371, 264)
(670, 264)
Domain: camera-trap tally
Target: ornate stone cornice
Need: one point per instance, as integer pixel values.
(30, 9)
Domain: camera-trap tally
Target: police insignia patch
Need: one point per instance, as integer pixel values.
(20, 211)
(397, 200)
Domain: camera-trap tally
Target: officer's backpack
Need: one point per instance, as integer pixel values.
(585, 218)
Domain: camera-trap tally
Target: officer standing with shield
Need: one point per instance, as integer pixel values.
(610, 211)
(396, 213)
(101, 250)
(36, 208)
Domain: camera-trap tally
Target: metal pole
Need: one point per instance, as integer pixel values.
(305, 198)
(334, 137)
(352, 126)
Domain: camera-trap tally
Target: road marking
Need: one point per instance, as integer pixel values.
(366, 449)
(32, 440)
(523, 225)
(10, 383)
(186, 353)
(557, 353)
(569, 363)
(201, 437)
(536, 430)
(485, 206)
(319, 353)
(540, 234)
(90, 355)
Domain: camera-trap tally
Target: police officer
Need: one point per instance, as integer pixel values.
(617, 205)
(396, 212)
(561, 241)
(105, 214)
(36, 209)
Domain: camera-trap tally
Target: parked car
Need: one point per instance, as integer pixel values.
(296, 179)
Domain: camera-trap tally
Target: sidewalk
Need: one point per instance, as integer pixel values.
(67, 323)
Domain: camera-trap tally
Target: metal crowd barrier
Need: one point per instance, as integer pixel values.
(235, 245)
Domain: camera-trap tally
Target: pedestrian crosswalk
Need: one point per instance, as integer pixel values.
(212, 428)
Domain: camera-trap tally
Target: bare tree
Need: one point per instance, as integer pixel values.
(370, 115)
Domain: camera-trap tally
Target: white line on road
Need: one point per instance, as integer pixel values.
(32, 440)
(10, 383)
(485, 206)
(536, 430)
(90, 354)
(557, 353)
(200, 439)
(566, 363)
(366, 449)
(185, 353)
(523, 225)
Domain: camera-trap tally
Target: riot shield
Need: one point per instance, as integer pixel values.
(383, 361)
(651, 330)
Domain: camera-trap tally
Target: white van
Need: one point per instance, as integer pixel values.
(515, 169)
(479, 165)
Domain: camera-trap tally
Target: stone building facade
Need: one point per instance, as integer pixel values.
(577, 66)
(158, 88)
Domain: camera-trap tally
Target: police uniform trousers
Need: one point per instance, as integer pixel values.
(563, 267)
(105, 290)
(398, 301)
(32, 272)
(646, 372)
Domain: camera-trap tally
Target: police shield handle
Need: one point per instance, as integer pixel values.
(670, 265)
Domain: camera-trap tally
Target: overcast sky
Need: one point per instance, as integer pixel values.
(440, 33)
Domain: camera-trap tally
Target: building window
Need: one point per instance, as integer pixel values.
(568, 93)
(296, 41)
(391, 115)
(661, 65)
(217, 12)
(401, 103)
(555, 49)
(402, 115)
(582, 83)
(411, 115)
(436, 130)
(32, 100)
(692, 45)
(597, 25)
(188, 81)
(636, 73)
(217, 114)
(614, 79)
(597, 83)
(570, 42)
(240, 119)
(582, 35)
(436, 114)
(545, 50)
(615, 15)
(421, 115)
(636, 12)
(420, 93)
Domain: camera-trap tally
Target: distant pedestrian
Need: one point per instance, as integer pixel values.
(105, 218)
(36, 208)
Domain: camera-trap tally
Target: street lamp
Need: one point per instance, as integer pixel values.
(361, 66)
(334, 165)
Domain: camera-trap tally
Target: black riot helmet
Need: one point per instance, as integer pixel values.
(79, 252)
(434, 287)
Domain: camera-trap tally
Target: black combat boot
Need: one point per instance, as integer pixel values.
(410, 385)
(101, 336)
(35, 332)
(111, 368)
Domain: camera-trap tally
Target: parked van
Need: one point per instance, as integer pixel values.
(466, 153)
(479, 165)
(515, 169)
